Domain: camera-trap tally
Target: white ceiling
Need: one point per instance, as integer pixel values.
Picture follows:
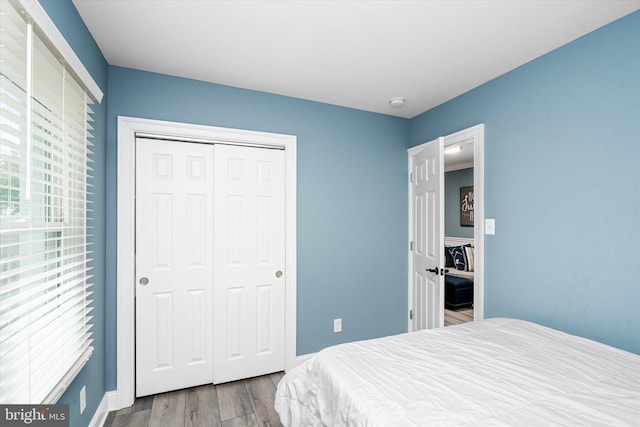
(356, 54)
(459, 160)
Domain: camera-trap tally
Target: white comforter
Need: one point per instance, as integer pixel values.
(498, 372)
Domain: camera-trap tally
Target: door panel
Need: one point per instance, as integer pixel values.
(208, 316)
(174, 251)
(249, 250)
(427, 216)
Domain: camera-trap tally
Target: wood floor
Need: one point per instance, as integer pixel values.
(456, 317)
(246, 403)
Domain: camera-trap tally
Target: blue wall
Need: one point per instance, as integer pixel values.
(561, 174)
(452, 182)
(68, 21)
(562, 149)
(352, 199)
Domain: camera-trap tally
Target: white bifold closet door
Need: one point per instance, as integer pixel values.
(209, 246)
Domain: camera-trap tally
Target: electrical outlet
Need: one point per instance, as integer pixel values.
(83, 399)
(337, 325)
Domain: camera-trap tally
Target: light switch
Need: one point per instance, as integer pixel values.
(490, 226)
(337, 326)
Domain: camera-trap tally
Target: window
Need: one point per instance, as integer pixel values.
(45, 305)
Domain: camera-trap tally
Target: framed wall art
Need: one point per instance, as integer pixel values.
(466, 206)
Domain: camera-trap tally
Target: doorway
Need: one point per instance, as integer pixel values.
(128, 130)
(426, 290)
(459, 232)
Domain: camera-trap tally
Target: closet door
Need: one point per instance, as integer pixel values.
(174, 265)
(249, 296)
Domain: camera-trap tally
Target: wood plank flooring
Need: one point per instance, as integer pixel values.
(246, 403)
(456, 317)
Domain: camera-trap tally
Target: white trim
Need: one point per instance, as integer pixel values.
(478, 229)
(46, 25)
(103, 409)
(127, 129)
(458, 166)
(411, 152)
(477, 134)
(70, 375)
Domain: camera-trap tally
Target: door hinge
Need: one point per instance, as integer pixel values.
(411, 177)
(410, 314)
(411, 246)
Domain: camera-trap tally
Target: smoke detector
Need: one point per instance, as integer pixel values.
(397, 102)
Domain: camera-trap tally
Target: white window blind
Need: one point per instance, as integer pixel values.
(45, 304)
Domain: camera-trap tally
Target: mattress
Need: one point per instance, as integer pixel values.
(496, 372)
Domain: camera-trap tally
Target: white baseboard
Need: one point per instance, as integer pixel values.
(107, 404)
(100, 416)
(112, 400)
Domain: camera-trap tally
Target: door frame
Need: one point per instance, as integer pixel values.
(477, 134)
(128, 129)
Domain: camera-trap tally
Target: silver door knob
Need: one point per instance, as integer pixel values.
(278, 274)
(144, 281)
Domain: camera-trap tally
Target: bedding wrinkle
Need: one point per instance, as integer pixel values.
(497, 372)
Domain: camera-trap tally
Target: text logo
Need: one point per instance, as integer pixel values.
(34, 415)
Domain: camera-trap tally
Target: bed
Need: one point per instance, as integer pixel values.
(459, 265)
(496, 372)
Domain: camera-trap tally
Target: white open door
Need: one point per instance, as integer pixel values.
(249, 282)
(174, 265)
(426, 198)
